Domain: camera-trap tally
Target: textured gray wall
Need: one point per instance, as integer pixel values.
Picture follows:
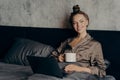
(104, 14)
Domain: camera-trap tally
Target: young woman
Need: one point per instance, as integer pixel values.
(88, 51)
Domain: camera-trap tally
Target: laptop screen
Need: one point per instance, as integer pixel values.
(45, 65)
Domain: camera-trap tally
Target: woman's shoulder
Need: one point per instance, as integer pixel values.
(95, 42)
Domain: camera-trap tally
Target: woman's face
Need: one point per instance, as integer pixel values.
(80, 23)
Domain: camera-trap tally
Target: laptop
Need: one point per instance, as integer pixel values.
(45, 65)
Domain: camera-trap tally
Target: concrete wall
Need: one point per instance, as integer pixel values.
(104, 14)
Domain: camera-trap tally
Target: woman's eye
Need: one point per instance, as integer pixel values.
(81, 21)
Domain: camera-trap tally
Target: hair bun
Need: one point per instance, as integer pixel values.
(76, 9)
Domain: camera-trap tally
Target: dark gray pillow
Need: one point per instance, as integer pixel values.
(23, 47)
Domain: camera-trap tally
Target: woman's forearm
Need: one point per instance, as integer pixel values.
(77, 68)
(83, 69)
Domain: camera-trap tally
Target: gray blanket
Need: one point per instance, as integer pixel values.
(19, 72)
(14, 72)
(73, 76)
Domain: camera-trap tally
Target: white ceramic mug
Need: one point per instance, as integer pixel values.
(70, 57)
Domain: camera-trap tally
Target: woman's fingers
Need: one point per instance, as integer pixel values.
(61, 57)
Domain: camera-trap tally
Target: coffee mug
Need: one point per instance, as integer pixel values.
(70, 57)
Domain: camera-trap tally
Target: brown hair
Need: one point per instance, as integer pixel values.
(76, 10)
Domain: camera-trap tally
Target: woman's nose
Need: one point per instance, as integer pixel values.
(79, 24)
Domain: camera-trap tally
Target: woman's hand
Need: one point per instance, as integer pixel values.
(72, 67)
(61, 57)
